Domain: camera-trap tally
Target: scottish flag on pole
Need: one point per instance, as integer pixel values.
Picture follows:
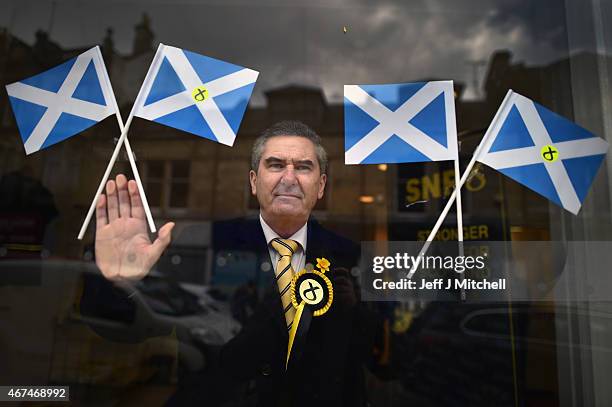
(399, 123)
(63, 101)
(195, 93)
(543, 151)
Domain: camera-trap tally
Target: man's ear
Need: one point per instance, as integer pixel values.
(322, 182)
(252, 181)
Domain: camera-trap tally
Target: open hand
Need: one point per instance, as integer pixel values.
(124, 251)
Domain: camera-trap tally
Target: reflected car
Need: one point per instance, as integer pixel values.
(70, 295)
(157, 306)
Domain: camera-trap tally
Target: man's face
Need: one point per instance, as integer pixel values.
(288, 181)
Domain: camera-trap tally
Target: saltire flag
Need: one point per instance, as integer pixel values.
(400, 123)
(195, 93)
(63, 101)
(543, 151)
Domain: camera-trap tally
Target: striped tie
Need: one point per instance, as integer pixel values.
(284, 273)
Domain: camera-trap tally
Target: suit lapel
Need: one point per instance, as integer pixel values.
(275, 306)
(317, 244)
(249, 237)
(246, 235)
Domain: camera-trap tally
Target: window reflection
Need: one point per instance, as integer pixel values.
(464, 354)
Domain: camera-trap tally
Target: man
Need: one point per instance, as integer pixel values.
(288, 175)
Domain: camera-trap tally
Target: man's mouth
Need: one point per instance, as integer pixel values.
(288, 196)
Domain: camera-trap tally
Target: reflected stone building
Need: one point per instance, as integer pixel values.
(194, 181)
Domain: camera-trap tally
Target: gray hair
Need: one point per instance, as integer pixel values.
(288, 128)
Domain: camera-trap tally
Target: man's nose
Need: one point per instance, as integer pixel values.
(289, 175)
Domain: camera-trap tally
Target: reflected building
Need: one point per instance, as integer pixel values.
(196, 182)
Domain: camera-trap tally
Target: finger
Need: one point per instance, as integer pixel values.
(137, 207)
(112, 204)
(163, 240)
(101, 218)
(124, 198)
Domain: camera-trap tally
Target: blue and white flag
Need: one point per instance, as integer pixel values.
(543, 151)
(195, 93)
(399, 123)
(63, 101)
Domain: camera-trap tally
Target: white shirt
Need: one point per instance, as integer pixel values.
(298, 260)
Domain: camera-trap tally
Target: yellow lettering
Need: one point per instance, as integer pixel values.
(431, 188)
(483, 232)
(476, 182)
(413, 190)
(473, 232)
(448, 182)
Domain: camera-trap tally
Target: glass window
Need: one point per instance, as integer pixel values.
(179, 189)
(169, 182)
(65, 319)
(155, 181)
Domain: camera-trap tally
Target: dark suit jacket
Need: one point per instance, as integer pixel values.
(330, 370)
(338, 346)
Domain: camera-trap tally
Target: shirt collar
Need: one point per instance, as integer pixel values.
(300, 236)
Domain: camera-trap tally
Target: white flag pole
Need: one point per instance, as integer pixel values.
(453, 120)
(143, 196)
(459, 210)
(459, 217)
(123, 139)
(109, 167)
(486, 140)
(130, 153)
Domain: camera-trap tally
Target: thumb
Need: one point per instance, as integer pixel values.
(163, 240)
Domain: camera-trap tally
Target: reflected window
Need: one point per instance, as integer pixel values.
(167, 184)
(154, 175)
(179, 184)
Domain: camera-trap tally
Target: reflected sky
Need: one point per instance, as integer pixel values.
(303, 41)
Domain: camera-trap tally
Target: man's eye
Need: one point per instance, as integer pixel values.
(276, 166)
(303, 168)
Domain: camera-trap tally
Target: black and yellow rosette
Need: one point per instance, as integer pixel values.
(312, 295)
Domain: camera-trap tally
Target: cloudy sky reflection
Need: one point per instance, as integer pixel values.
(303, 41)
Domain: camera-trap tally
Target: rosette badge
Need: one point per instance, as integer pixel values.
(312, 295)
(313, 289)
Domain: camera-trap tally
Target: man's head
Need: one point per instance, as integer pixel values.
(288, 173)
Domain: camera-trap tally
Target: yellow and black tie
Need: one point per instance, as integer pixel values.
(284, 273)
